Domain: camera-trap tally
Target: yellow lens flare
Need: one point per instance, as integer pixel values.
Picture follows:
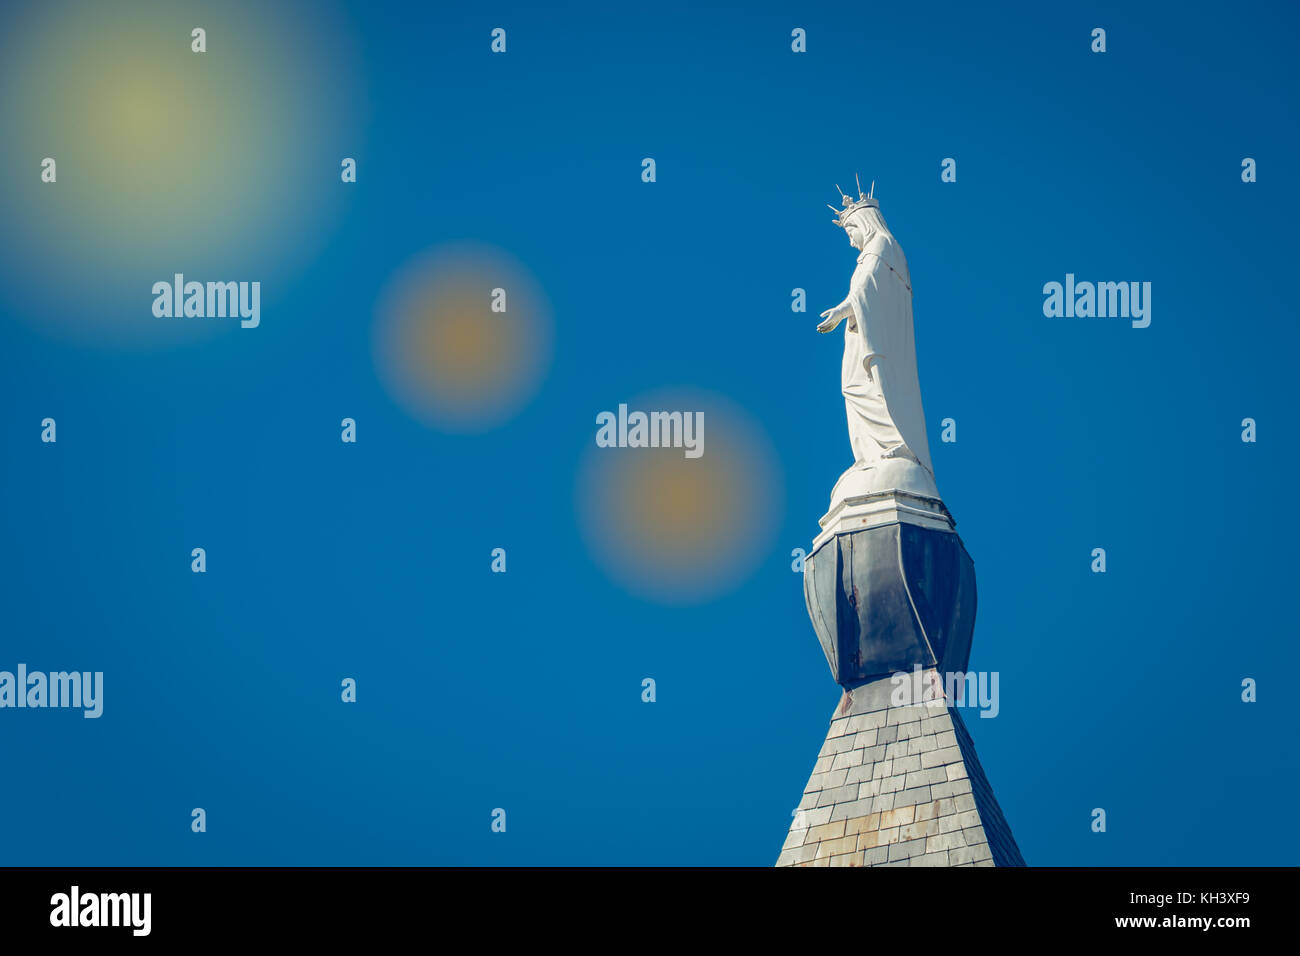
(678, 530)
(445, 354)
(167, 160)
(684, 504)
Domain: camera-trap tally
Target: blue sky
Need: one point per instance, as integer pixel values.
(522, 691)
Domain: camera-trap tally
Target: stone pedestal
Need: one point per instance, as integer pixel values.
(890, 590)
(887, 598)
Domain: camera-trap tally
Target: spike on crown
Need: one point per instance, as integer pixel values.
(864, 201)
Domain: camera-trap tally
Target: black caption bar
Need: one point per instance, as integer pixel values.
(92, 905)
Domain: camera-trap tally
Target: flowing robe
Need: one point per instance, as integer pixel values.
(882, 393)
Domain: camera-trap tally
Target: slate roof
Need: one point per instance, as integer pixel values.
(898, 786)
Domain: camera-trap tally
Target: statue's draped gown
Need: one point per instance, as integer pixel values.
(885, 417)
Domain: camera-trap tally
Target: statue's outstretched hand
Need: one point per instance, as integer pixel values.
(833, 318)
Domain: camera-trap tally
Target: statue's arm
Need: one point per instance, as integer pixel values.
(862, 277)
(833, 317)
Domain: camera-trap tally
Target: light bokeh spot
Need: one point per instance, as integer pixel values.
(445, 355)
(678, 530)
(216, 165)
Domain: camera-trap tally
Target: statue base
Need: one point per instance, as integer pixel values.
(883, 492)
(891, 594)
(862, 512)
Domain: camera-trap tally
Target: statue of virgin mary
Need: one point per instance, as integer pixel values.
(882, 394)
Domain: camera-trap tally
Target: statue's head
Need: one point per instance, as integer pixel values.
(860, 218)
(858, 233)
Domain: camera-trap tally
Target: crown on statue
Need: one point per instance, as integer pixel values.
(864, 201)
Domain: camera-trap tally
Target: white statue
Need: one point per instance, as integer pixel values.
(882, 394)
